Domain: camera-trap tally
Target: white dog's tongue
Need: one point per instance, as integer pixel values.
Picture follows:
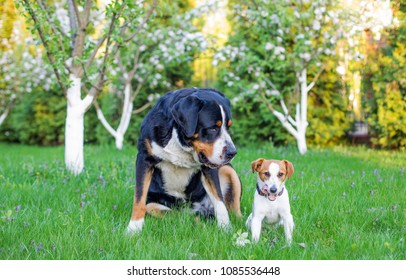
(272, 197)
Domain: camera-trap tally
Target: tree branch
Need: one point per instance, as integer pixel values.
(7, 110)
(131, 74)
(76, 13)
(95, 50)
(142, 108)
(272, 85)
(141, 25)
(138, 89)
(286, 124)
(267, 103)
(44, 42)
(103, 120)
(80, 36)
(311, 85)
(53, 26)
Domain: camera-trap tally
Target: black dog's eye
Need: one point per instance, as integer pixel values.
(267, 174)
(280, 174)
(212, 130)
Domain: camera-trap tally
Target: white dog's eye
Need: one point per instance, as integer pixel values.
(267, 174)
(280, 174)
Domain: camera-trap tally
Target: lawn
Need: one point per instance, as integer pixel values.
(347, 203)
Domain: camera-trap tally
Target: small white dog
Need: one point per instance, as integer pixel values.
(271, 199)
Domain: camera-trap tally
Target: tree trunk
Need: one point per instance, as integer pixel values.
(125, 117)
(118, 134)
(297, 127)
(301, 141)
(7, 110)
(74, 129)
(302, 121)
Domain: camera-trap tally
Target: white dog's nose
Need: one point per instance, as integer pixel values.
(273, 189)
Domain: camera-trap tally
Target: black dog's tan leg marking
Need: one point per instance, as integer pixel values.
(140, 199)
(156, 209)
(231, 186)
(143, 178)
(211, 183)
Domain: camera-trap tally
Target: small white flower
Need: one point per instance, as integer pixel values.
(305, 56)
(316, 25)
(268, 46)
(279, 50)
(340, 70)
(300, 36)
(272, 92)
(241, 239)
(275, 19)
(143, 48)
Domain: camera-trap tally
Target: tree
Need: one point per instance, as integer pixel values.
(274, 51)
(156, 47)
(81, 39)
(384, 72)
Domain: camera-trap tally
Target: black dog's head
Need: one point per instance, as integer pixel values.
(204, 119)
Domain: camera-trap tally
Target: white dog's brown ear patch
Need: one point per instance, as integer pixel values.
(289, 168)
(257, 164)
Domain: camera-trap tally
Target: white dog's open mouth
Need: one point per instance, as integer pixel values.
(272, 197)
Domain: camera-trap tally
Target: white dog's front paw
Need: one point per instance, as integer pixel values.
(135, 227)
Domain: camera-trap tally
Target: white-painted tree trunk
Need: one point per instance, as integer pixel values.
(297, 127)
(3, 116)
(119, 133)
(74, 129)
(302, 122)
(7, 110)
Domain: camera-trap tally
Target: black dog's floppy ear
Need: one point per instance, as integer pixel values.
(185, 112)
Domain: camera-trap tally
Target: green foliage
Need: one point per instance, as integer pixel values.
(327, 114)
(252, 120)
(37, 119)
(384, 81)
(7, 18)
(391, 118)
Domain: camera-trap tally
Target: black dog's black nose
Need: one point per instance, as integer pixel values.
(273, 189)
(230, 153)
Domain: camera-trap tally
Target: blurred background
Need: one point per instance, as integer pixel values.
(303, 73)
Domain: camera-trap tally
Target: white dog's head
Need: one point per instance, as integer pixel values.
(272, 175)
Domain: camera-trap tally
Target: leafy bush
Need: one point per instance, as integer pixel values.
(37, 119)
(385, 83)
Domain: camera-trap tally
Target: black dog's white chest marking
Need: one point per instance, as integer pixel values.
(178, 165)
(175, 178)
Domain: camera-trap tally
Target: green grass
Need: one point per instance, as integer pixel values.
(347, 203)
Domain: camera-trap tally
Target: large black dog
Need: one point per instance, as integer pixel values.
(184, 154)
